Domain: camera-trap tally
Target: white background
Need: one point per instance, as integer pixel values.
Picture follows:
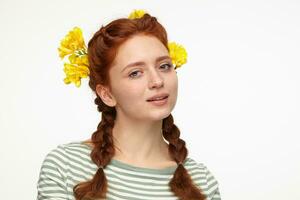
(238, 102)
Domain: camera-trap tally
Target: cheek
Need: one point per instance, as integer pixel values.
(174, 90)
(172, 81)
(129, 92)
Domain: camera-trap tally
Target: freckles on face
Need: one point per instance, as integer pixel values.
(136, 64)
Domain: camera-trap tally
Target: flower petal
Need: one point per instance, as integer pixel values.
(136, 14)
(72, 42)
(177, 53)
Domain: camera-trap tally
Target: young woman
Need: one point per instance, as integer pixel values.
(136, 152)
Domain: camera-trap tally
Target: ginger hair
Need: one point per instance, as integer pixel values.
(102, 49)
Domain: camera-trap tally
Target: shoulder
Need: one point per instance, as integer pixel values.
(64, 154)
(202, 177)
(64, 151)
(60, 167)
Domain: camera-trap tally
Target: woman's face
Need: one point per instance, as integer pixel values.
(142, 68)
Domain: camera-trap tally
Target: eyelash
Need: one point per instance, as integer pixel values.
(169, 67)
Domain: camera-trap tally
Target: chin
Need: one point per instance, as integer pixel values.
(156, 115)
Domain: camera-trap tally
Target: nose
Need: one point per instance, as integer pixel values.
(156, 80)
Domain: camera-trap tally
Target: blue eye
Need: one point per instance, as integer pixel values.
(168, 66)
(134, 72)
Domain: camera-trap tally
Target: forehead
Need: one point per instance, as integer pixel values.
(140, 48)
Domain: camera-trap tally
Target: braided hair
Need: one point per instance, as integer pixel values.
(102, 50)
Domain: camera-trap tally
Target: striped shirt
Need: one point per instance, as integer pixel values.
(69, 164)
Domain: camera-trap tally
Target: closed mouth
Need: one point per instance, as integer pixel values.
(159, 99)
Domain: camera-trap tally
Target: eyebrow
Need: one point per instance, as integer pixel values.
(158, 59)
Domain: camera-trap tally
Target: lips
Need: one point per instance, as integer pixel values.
(158, 97)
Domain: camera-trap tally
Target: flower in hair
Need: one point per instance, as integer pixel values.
(136, 14)
(71, 43)
(76, 69)
(178, 54)
(74, 47)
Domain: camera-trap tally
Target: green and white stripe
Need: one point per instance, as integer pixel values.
(69, 164)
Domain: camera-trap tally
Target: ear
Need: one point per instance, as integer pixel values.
(105, 95)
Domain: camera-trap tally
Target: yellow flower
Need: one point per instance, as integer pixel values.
(177, 53)
(72, 42)
(79, 59)
(74, 73)
(136, 14)
(73, 46)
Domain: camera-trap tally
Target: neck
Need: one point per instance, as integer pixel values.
(139, 142)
